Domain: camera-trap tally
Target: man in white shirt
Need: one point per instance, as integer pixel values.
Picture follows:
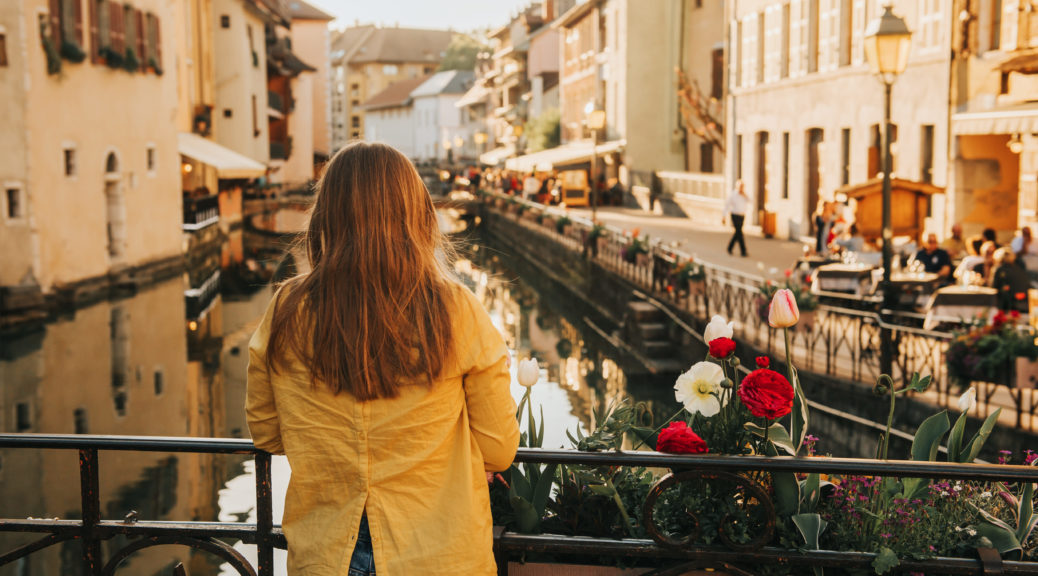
(530, 186)
(736, 206)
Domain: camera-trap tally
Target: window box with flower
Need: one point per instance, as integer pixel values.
(637, 251)
(691, 276)
(1002, 351)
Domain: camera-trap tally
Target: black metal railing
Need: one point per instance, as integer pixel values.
(201, 212)
(840, 339)
(211, 537)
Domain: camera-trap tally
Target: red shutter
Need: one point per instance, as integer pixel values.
(142, 54)
(158, 41)
(77, 11)
(55, 23)
(95, 32)
(115, 27)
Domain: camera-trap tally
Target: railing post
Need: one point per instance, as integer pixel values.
(264, 516)
(89, 484)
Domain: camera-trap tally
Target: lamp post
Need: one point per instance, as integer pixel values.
(595, 122)
(887, 43)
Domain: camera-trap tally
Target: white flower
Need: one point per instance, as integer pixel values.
(968, 400)
(528, 372)
(971, 532)
(696, 388)
(718, 329)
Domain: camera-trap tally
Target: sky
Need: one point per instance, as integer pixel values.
(462, 15)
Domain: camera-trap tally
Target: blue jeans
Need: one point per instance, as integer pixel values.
(363, 561)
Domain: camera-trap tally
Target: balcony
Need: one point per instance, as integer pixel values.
(275, 105)
(280, 150)
(201, 212)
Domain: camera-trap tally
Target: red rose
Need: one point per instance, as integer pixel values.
(678, 438)
(721, 348)
(767, 394)
(763, 361)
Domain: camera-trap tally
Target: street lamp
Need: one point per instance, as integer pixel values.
(595, 122)
(887, 43)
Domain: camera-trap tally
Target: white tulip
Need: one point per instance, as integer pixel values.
(968, 400)
(528, 372)
(718, 329)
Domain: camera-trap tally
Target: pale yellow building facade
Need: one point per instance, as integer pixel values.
(89, 169)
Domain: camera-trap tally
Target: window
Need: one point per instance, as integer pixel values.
(390, 69)
(155, 42)
(160, 381)
(738, 55)
(227, 113)
(717, 74)
(427, 70)
(15, 209)
(22, 417)
(785, 165)
(845, 156)
(225, 21)
(80, 418)
(354, 103)
(255, 118)
(846, 31)
(130, 31)
(355, 122)
(68, 21)
(760, 47)
(784, 47)
(812, 36)
(355, 134)
(706, 157)
(926, 152)
(3, 49)
(996, 24)
(150, 159)
(738, 157)
(70, 161)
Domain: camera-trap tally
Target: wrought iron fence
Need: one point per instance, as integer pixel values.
(745, 479)
(840, 339)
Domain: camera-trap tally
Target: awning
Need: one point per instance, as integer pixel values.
(1022, 62)
(495, 156)
(1011, 120)
(573, 153)
(476, 95)
(228, 163)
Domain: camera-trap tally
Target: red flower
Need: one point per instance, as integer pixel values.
(678, 438)
(721, 348)
(767, 394)
(763, 361)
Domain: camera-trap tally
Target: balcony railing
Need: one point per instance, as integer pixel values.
(280, 150)
(92, 530)
(275, 101)
(694, 184)
(201, 212)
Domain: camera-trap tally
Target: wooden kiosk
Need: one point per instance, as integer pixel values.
(908, 203)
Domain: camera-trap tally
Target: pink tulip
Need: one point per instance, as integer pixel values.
(783, 311)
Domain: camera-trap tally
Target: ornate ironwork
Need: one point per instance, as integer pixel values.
(739, 487)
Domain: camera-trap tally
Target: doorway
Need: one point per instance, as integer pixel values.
(761, 193)
(814, 174)
(115, 210)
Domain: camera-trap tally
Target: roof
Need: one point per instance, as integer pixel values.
(398, 45)
(300, 10)
(1022, 61)
(228, 163)
(446, 82)
(345, 42)
(575, 13)
(396, 94)
(477, 94)
(875, 186)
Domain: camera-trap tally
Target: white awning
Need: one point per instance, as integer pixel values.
(1017, 120)
(476, 95)
(572, 153)
(495, 156)
(228, 163)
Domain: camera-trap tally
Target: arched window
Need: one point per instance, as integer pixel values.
(112, 164)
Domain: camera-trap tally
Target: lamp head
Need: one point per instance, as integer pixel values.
(887, 44)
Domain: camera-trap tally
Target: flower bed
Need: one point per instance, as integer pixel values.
(747, 483)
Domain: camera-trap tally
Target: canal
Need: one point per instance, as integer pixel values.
(170, 360)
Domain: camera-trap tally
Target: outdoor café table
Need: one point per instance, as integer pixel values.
(913, 285)
(958, 304)
(849, 278)
(812, 262)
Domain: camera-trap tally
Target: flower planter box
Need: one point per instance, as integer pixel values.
(696, 288)
(641, 260)
(551, 569)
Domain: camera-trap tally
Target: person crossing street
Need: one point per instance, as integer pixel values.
(736, 205)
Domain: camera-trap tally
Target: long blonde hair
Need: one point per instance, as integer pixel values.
(373, 313)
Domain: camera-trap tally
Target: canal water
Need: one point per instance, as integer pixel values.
(171, 360)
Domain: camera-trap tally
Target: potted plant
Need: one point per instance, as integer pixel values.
(596, 238)
(637, 251)
(562, 225)
(692, 276)
(1002, 351)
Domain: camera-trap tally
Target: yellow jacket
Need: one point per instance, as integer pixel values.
(416, 462)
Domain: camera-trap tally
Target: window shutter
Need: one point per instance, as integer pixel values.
(158, 41)
(142, 54)
(115, 15)
(55, 23)
(77, 14)
(95, 32)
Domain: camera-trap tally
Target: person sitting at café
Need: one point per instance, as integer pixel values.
(987, 264)
(1023, 245)
(851, 240)
(954, 245)
(934, 259)
(1010, 280)
(990, 235)
(972, 258)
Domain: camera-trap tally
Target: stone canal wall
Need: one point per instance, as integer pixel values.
(846, 415)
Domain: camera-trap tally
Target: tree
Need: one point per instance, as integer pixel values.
(461, 53)
(544, 131)
(700, 114)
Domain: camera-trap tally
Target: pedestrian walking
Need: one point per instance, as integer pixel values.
(384, 381)
(655, 191)
(736, 206)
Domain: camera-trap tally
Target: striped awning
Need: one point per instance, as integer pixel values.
(1015, 120)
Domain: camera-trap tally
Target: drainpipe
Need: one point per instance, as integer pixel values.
(681, 65)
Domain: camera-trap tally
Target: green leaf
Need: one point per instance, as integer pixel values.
(809, 492)
(972, 449)
(543, 489)
(1025, 513)
(602, 490)
(918, 384)
(811, 527)
(885, 560)
(1003, 540)
(955, 439)
(540, 430)
(646, 436)
(776, 434)
(520, 485)
(928, 437)
(787, 493)
(527, 521)
(799, 416)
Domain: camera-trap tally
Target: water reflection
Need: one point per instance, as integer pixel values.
(171, 360)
